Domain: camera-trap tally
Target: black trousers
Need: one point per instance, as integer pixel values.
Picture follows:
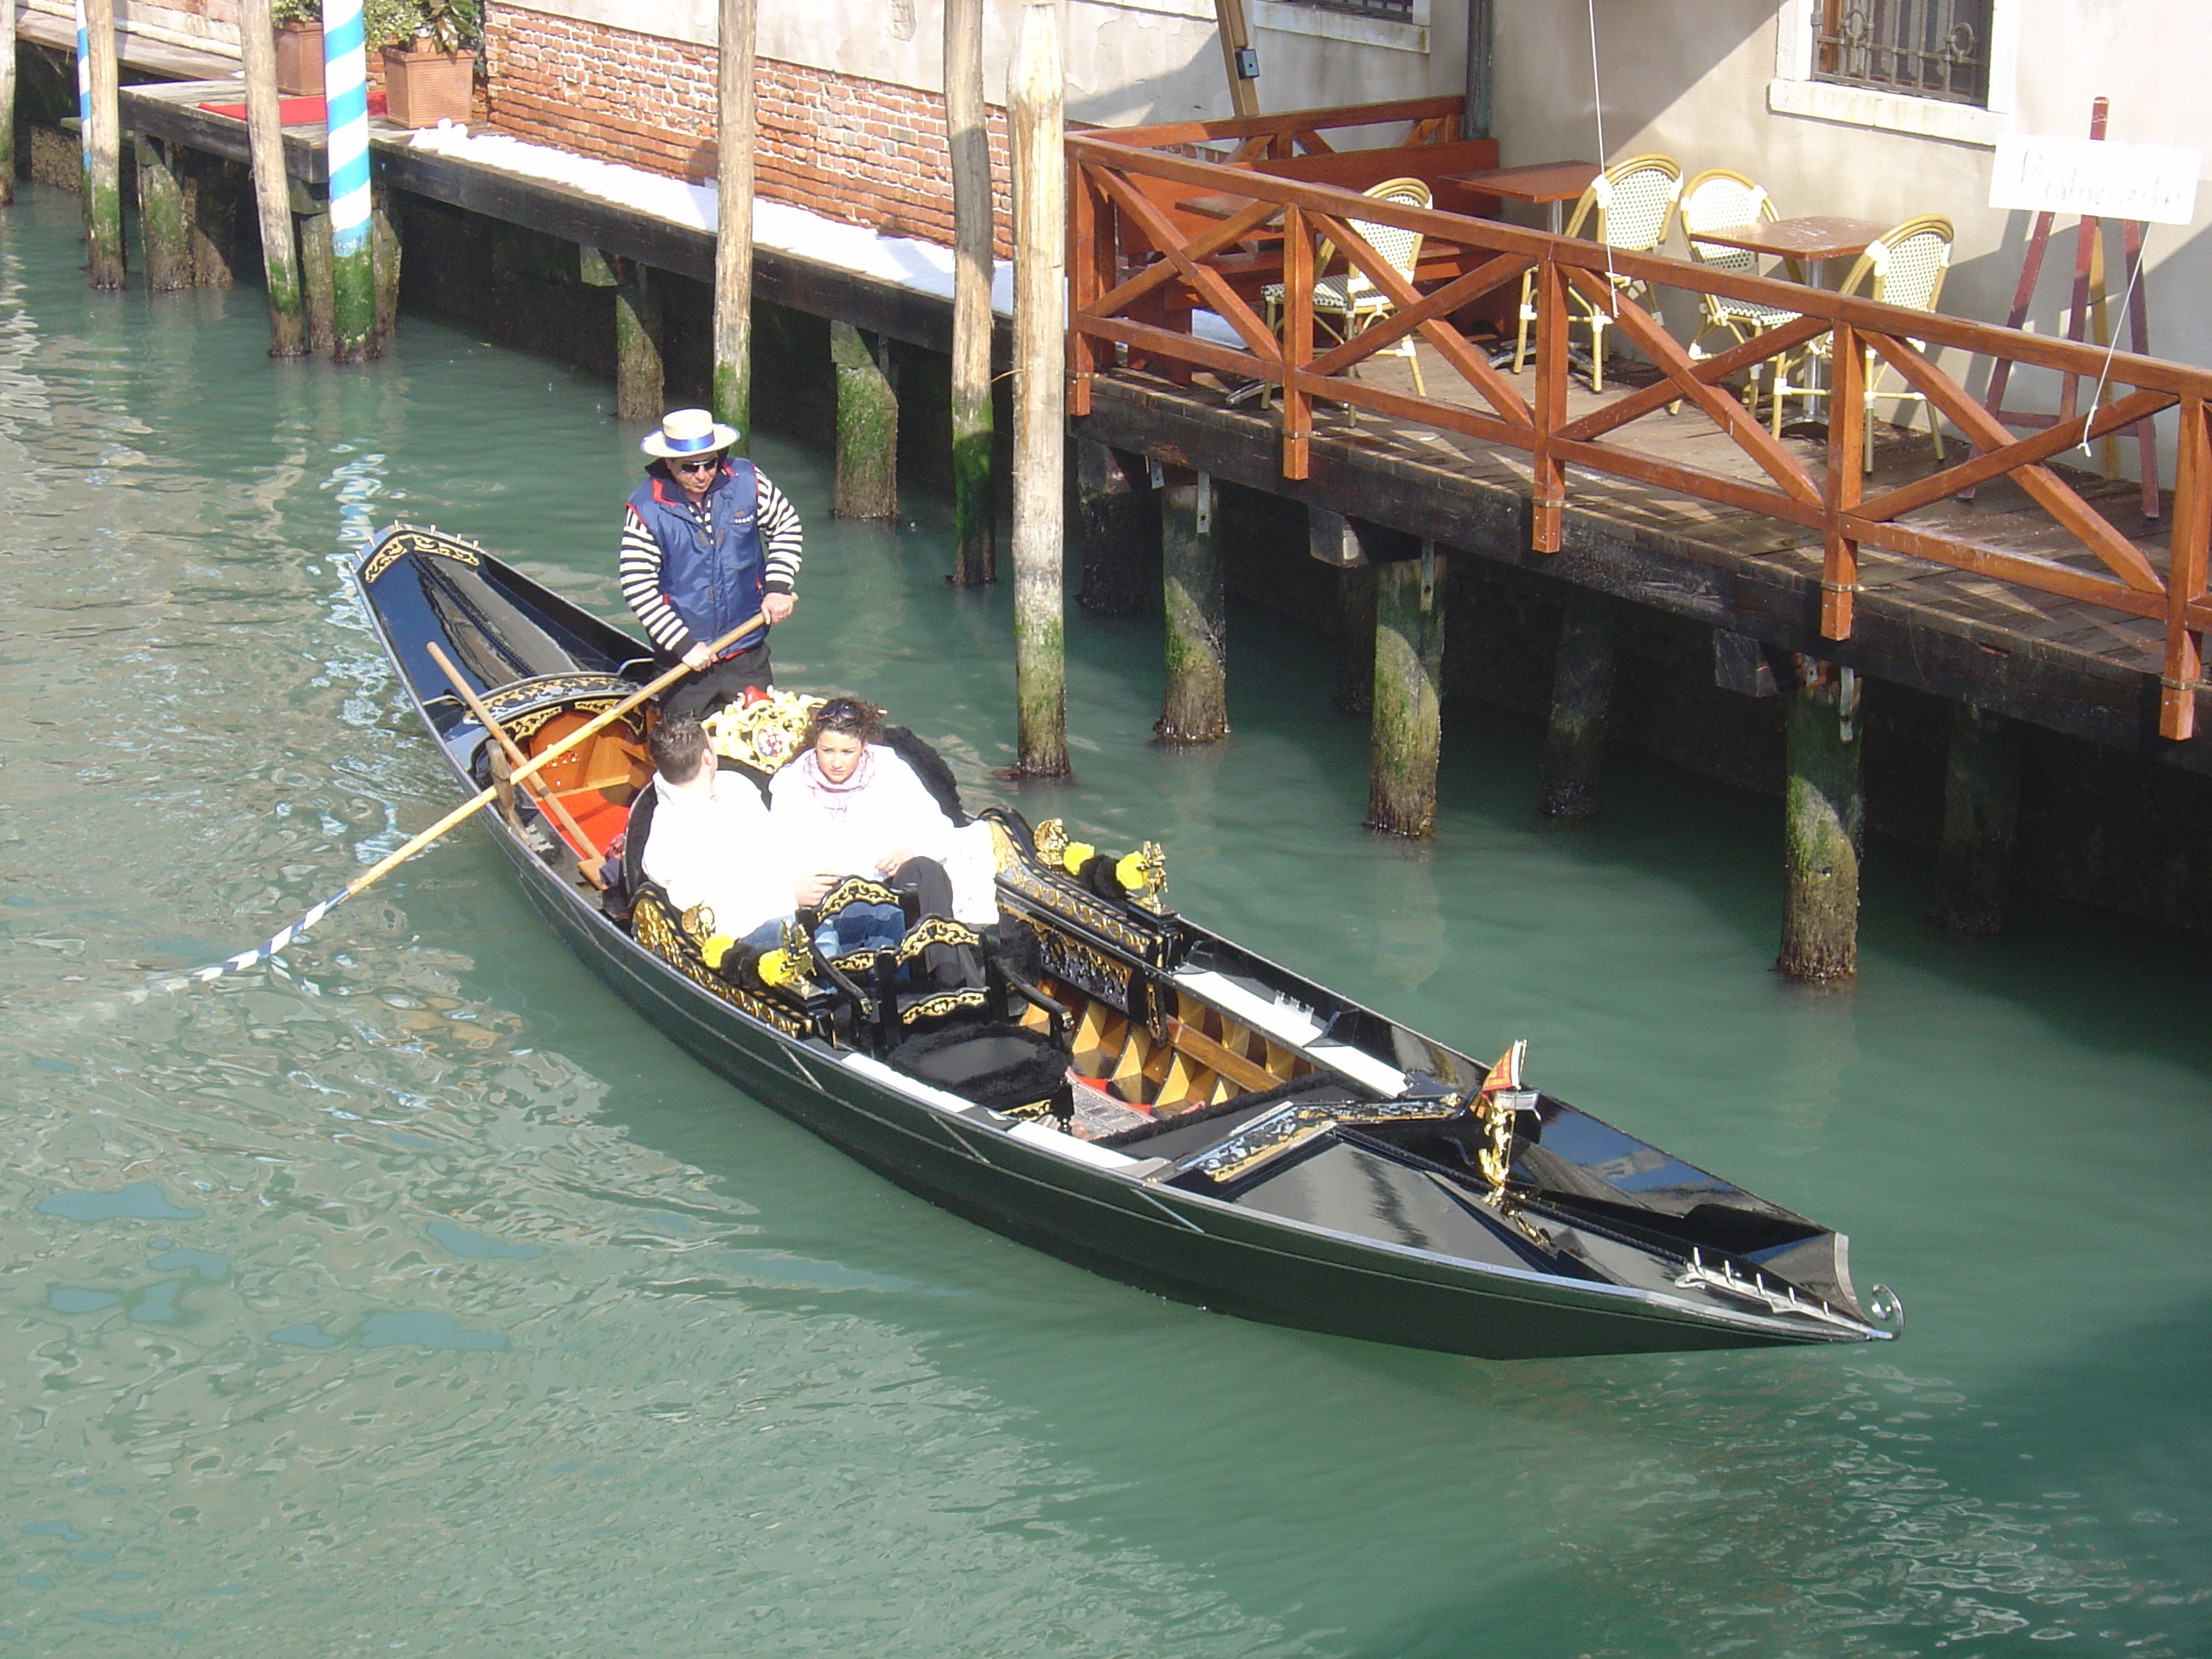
(946, 966)
(699, 695)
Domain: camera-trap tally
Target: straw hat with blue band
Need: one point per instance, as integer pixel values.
(688, 432)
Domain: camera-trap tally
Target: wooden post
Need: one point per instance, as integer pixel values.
(867, 429)
(1235, 56)
(1981, 805)
(353, 276)
(7, 107)
(1194, 597)
(1582, 690)
(975, 514)
(1335, 539)
(1355, 640)
(1408, 729)
(383, 258)
(1823, 816)
(166, 238)
(210, 214)
(639, 375)
(272, 197)
(316, 279)
(731, 384)
(103, 137)
(1117, 528)
(1035, 117)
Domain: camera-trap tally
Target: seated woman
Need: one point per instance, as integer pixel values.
(849, 806)
(711, 842)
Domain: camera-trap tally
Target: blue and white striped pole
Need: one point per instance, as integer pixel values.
(345, 88)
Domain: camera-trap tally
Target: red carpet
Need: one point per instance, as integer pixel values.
(296, 112)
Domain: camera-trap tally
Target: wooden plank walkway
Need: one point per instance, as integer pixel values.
(2073, 667)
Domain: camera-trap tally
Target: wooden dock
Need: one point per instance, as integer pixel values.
(2059, 663)
(2004, 574)
(172, 112)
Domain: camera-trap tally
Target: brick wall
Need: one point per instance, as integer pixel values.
(863, 151)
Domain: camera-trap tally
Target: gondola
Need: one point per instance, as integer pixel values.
(1118, 1085)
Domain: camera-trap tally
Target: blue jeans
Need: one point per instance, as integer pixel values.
(861, 927)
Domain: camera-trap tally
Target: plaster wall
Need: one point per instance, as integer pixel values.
(208, 25)
(1699, 82)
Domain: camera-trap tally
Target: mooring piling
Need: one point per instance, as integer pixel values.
(163, 233)
(345, 96)
(1407, 734)
(1823, 825)
(7, 108)
(640, 374)
(1117, 530)
(316, 281)
(383, 258)
(1355, 640)
(731, 379)
(1981, 806)
(1336, 540)
(867, 429)
(1035, 92)
(272, 190)
(1582, 695)
(975, 514)
(1194, 599)
(101, 115)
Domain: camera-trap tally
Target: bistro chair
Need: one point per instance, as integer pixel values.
(1904, 266)
(1717, 199)
(1629, 206)
(1349, 303)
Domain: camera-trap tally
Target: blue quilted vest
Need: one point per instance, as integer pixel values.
(716, 582)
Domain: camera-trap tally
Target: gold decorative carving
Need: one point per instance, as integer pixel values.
(765, 734)
(1153, 896)
(1290, 1127)
(653, 927)
(400, 543)
(944, 1003)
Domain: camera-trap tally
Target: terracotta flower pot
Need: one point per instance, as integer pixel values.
(421, 88)
(299, 60)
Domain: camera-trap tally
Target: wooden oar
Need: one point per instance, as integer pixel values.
(588, 862)
(284, 936)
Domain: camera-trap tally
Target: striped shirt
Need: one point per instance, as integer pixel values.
(638, 571)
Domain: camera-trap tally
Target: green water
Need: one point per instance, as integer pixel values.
(421, 1299)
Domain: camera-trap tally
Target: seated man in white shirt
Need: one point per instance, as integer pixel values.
(711, 842)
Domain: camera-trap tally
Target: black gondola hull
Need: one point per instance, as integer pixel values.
(1190, 1249)
(1188, 1244)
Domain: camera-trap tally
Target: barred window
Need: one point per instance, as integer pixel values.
(1396, 11)
(1921, 48)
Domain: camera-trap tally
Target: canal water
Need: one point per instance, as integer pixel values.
(418, 1298)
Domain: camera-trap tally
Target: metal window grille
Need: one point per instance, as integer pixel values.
(1923, 48)
(1398, 11)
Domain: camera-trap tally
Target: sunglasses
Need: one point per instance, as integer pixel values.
(706, 465)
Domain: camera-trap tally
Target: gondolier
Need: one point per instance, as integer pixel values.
(707, 541)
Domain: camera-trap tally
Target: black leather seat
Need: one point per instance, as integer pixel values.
(995, 1063)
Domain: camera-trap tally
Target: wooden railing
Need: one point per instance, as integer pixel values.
(1248, 138)
(1137, 264)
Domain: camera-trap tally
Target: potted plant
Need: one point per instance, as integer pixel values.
(429, 57)
(299, 47)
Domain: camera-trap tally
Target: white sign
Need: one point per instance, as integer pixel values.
(2096, 179)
